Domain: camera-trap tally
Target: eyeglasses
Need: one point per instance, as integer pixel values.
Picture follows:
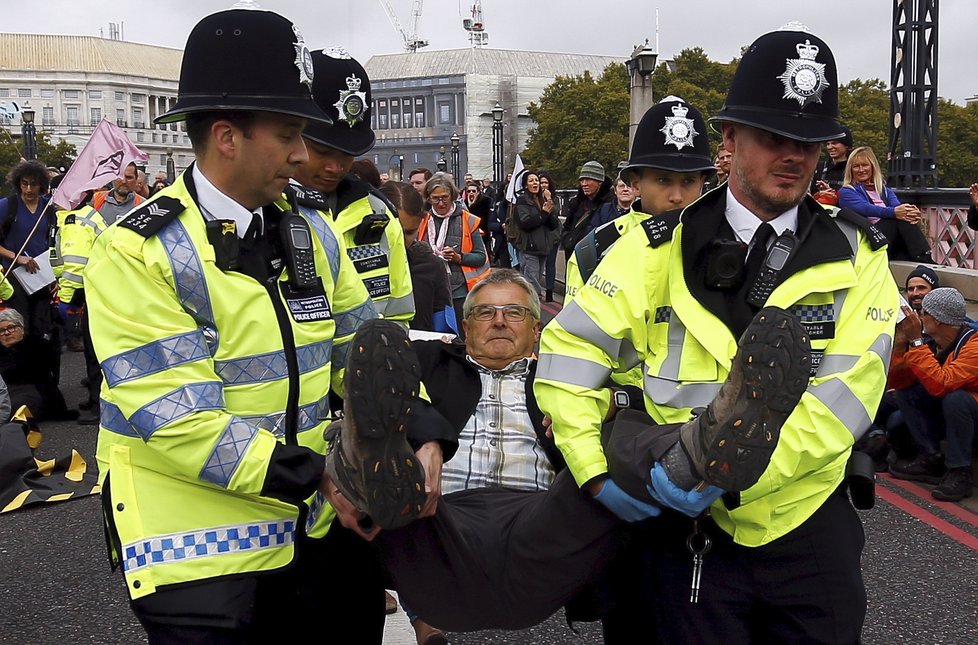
(512, 313)
(441, 199)
(9, 329)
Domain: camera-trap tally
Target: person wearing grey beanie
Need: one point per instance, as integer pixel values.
(937, 392)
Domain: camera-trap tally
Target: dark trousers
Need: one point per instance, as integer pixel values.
(906, 240)
(930, 418)
(550, 269)
(92, 369)
(805, 587)
(334, 591)
(500, 559)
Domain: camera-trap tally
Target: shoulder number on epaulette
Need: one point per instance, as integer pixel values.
(149, 218)
(876, 239)
(310, 197)
(659, 228)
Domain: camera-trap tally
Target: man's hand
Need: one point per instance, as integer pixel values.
(910, 328)
(691, 503)
(28, 262)
(548, 427)
(349, 515)
(622, 504)
(431, 459)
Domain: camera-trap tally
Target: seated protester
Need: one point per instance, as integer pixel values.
(433, 310)
(25, 367)
(940, 398)
(864, 192)
(624, 196)
(830, 176)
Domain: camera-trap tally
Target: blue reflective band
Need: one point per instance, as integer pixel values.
(155, 357)
(227, 454)
(177, 404)
(347, 322)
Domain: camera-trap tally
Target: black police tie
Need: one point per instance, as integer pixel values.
(254, 229)
(758, 251)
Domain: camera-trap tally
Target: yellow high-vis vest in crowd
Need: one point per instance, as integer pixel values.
(73, 241)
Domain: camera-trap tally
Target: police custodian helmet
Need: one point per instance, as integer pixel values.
(245, 59)
(342, 90)
(671, 136)
(787, 84)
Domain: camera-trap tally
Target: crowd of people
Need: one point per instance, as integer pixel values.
(670, 455)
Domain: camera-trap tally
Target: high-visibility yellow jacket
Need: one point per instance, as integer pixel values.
(596, 245)
(375, 245)
(73, 240)
(638, 308)
(210, 380)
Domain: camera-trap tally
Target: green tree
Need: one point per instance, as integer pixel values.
(957, 144)
(864, 106)
(579, 119)
(59, 155)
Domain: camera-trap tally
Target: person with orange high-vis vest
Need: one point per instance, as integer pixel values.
(453, 234)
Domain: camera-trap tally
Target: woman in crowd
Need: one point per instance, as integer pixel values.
(550, 268)
(536, 219)
(454, 236)
(432, 295)
(863, 191)
(480, 206)
(610, 211)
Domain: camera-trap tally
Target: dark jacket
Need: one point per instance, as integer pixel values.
(831, 173)
(454, 385)
(535, 225)
(431, 290)
(481, 208)
(608, 212)
(578, 213)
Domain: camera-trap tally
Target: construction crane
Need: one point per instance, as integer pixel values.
(476, 26)
(411, 41)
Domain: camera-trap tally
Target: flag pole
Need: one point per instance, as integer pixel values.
(14, 144)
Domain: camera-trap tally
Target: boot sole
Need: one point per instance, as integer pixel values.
(775, 355)
(382, 383)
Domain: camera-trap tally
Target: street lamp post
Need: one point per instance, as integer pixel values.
(442, 164)
(497, 146)
(455, 168)
(641, 64)
(28, 132)
(171, 169)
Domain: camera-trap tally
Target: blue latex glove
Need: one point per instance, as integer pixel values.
(624, 505)
(63, 308)
(690, 503)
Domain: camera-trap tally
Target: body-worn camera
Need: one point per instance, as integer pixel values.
(725, 264)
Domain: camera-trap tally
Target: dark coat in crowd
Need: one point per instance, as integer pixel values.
(578, 213)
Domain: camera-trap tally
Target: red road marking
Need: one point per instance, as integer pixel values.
(924, 494)
(551, 307)
(928, 518)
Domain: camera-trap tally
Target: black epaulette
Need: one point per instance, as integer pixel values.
(149, 218)
(659, 228)
(308, 197)
(70, 219)
(592, 248)
(876, 239)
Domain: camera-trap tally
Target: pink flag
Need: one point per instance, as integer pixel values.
(103, 159)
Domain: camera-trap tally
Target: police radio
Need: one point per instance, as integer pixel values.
(776, 259)
(297, 247)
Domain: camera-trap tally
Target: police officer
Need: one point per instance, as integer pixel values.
(374, 240)
(221, 318)
(72, 241)
(778, 557)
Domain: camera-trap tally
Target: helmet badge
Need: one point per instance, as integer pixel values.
(303, 59)
(804, 79)
(678, 129)
(352, 105)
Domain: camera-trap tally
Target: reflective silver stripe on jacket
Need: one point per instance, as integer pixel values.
(211, 541)
(271, 366)
(174, 405)
(188, 275)
(395, 306)
(348, 321)
(578, 322)
(573, 371)
(227, 454)
(310, 416)
(841, 401)
(155, 357)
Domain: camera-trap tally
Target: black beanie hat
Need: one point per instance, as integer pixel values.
(927, 273)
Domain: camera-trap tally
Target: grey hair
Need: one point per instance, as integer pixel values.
(9, 314)
(441, 180)
(503, 276)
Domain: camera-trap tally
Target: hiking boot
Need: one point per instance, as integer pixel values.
(955, 486)
(927, 467)
(370, 460)
(88, 417)
(729, 445)
(425, 634)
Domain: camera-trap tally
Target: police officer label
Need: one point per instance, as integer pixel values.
(378, 287)
(309, 305)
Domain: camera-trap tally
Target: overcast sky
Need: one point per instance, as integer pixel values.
(858, 31)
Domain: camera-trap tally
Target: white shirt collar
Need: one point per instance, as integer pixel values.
(216, 205)
(745, 223)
